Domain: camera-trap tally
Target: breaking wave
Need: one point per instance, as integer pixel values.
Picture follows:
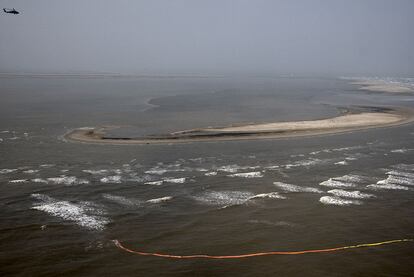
(175, 180)
(155, 183)
(115, 179)
(305, 163)
(235, 168)
(350, 194)
(121, 200)
(213, 173)
(224, 198)
(6, 170)
(295, 188)
(31, 171)
(273, 195)
(95, 172)
(388, 186)
(159, 200)
(67, 180)
(397, 179)
(84, 214)
(255, 174)
(18, 181)
(332, 200)
(345, 181)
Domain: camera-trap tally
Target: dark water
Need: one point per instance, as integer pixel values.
(62, 203)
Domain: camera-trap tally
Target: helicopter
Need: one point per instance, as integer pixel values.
(12, 11)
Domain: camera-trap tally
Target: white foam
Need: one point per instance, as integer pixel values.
(351, 158)
(95, 172)
(115, 179)
(327, 150)
(39, 180)
(7, 170)
(4, 132)
(305, 163)
(401, 173)
(84, 214)
(295, 188)
(346, 148)
(18, 181)
(330, 200)
(350, 194)
(121, 200)
(67, 180)
(235, 168)
(393, 179)
(156, 171)
(213, 173)
(273, 195)
(341, 163)
(297, 155)
(393, 182)
(47, 165)
(159, 200)
(402, 150)
(201, 169)
(273, 167)
(332, 183)
(134, 178)
(175, 180)
(224, 198)
(388, 186)
(350, 178)
(155, 183)
(31, 171)
(42, 197)
(342, 181)
(255, 174)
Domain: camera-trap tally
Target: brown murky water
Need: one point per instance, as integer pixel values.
(63, 203)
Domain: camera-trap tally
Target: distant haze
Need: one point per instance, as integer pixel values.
(349, 37)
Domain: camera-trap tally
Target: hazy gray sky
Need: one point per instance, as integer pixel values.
(371, 37)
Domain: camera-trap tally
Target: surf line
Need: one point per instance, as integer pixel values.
(258, 254)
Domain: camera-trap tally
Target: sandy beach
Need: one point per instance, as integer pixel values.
(339, 124)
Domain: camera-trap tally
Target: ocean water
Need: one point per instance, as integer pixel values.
(63, 203)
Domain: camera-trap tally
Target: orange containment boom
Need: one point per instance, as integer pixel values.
(258, 254)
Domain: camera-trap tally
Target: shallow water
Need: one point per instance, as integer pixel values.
(63, 203)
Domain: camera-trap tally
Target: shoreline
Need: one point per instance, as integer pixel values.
(346, 122)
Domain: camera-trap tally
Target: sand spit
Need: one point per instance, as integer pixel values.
(373, 118)
(383, 86)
